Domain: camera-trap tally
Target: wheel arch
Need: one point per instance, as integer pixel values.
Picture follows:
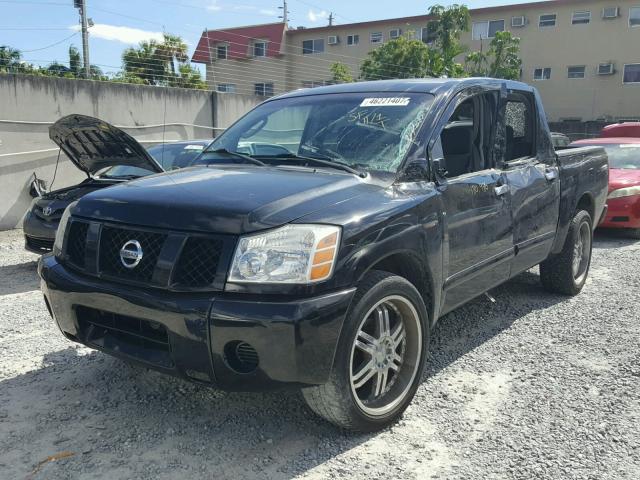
(408, 265)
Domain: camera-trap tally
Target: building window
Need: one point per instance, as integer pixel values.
(376, 37)
(353, 39)
(260, 49)
(488, 29)
(548, 20)
(395, 33)
(429, 33)
(631, 73)
(221, 52)
(226, 88)
(313, 46)
(542, 73)
(263, 89)
(315, 83)
(576, 71)
(580, 18)
(634, 17)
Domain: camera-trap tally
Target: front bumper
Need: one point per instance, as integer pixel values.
(623, 212)
(190, 335)
(39, 234)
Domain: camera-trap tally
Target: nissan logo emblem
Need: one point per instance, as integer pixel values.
(131, 254)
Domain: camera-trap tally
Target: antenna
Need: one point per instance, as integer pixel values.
(285, 12)
(331, 19)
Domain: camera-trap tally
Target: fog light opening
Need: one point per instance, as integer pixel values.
(241, 357)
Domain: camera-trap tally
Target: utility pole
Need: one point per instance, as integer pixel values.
(81, 5)
(285, 12)
(331, 19)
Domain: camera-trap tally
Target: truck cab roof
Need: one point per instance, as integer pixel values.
(434, 86)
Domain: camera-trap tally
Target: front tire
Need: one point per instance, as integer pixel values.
(566, 272)
(379, 359)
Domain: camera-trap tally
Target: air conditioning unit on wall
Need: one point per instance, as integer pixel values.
(333, 40)
(605, 69)
(520, 21)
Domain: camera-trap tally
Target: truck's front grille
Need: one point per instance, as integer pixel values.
(111, 242)
(198, 262)
(77, 243)
(135, 337)
(172, 260)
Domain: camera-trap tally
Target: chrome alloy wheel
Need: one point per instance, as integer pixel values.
(385, 355)
(581, 252)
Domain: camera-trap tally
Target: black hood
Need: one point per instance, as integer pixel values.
(92, 144)
(233, 200)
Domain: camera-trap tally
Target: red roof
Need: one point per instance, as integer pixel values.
(239, 39)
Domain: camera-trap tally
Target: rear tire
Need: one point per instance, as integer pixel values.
(379, 359)
(566, 272)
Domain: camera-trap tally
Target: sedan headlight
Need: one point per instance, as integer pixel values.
(62, 226)
(625, 192)
(291, 254)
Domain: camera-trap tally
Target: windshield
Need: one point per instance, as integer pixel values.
(624, 155)
(371, 131)
(169, 156)
(172, 156)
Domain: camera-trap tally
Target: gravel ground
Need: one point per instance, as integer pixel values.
(532, 386)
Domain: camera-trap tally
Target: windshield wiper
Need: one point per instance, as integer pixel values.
(119, 177)
(242, 156)
(319, 161)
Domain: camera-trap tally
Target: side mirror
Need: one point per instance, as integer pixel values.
(415, 171)
(440, 167)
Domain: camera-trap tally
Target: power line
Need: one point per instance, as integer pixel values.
(52, 45)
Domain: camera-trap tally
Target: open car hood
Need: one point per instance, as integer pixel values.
(92, 144)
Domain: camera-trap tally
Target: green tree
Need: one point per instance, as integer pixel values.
(399, 58)
(155, 64)
(409, 58)
(75, 61)
(502, 60)
(448, 27)
(9, 59)
(144, 62)
(188, 77)
(340, 73)
(172, 50)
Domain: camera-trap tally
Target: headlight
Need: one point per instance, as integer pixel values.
(291, 254)
(625, 192)
(62, 226)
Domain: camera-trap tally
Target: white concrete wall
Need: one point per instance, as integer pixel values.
(29, 104)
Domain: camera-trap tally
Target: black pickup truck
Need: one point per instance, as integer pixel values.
(323, 234)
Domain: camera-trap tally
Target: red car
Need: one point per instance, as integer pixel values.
(624, 179)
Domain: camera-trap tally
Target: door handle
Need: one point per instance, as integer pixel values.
(551, 174)
(501, 190)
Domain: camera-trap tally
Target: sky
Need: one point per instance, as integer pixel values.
(44, 29)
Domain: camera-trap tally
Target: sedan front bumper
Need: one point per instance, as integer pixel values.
(202, 337)
(623, 212)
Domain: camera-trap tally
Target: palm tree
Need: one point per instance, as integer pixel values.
(9, 58)
(143, 62)
(172, 50)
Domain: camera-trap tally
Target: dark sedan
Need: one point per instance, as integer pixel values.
(108, 156)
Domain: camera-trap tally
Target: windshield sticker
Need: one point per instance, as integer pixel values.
(194, 147)
(386, 102)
